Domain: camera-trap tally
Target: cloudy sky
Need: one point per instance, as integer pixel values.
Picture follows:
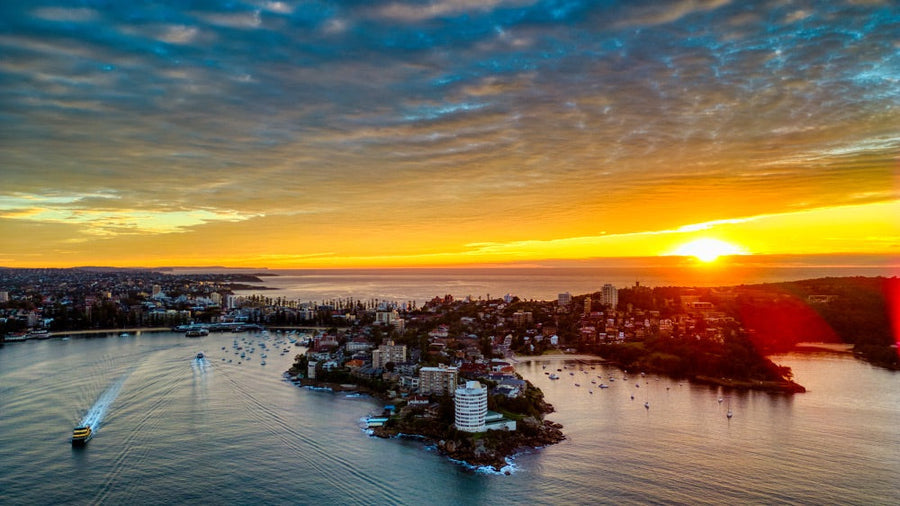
(324, 134)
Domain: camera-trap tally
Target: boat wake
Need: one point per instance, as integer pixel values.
(95, 415)
(200, 365)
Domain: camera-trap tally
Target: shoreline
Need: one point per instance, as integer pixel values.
(771, 386)
(468, 449)
(64, 333)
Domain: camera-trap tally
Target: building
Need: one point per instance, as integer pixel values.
(391, 318)
(587, 305)
(609, 295)
(495, 421)
(522, 318)
(389, 352)
(438, 380)
(357, 345)
(470, 402)
(564, 299)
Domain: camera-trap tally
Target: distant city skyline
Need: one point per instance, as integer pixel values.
(447, 133)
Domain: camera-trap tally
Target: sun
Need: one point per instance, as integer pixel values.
(708, 250)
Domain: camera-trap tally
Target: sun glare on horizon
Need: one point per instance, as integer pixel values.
(708, 250)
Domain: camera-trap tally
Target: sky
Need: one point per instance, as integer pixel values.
(451, 132)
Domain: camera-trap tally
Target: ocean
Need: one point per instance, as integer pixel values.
(546, 282)
(174, 429)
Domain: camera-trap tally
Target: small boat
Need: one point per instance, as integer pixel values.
(729, 414)
(604, 385)
(81, 435)
(577, 385)
(199, 332)
(647, 405)
(200, 356)
(554, 377)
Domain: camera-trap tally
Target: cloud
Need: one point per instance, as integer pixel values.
(555, 119)
(657, 14)
(68, 15)
(103, 220)
(417, 12)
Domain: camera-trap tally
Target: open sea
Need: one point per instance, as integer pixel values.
(547, 282)
(174, 429)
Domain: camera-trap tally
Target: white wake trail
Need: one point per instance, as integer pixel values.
(95, 415)
(200, 365)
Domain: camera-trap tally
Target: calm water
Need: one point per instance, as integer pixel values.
(172, 429)
(420, 285)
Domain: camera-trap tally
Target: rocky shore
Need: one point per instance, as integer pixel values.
(490, 449)
(487, 449)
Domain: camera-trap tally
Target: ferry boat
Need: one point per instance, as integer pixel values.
(198, 332)
(39, 334)
(81, 435)
(17, 337)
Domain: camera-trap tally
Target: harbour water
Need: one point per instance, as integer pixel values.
(174, 429)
